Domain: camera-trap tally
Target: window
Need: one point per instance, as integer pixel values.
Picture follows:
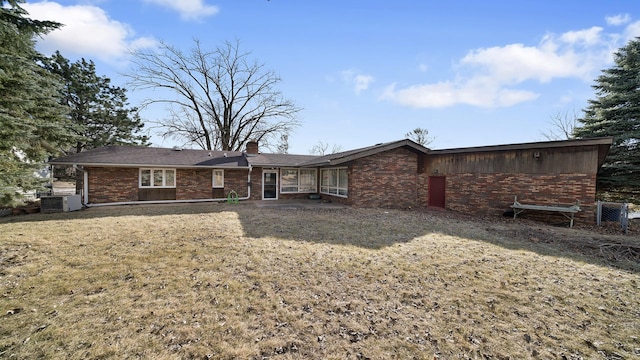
(218, 178)
(334, 181)
(157, 178)
(308, 180)
(298, 180)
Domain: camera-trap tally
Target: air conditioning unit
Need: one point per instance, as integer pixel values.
(51, 204)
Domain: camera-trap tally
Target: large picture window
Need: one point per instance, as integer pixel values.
(157, 178)
(298, 180)
(334, 181)
(218, 178)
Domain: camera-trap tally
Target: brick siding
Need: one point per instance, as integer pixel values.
(386, 180)
(494, 193)
(194, 184)
(107, 185)
(235, 180)
(112, 185)
(399, 178)
(256, 184)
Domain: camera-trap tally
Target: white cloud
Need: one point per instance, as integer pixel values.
(360, 82)
(446, 94)
(87, 32)
(632, 31)
(188, 9)
(489, 77)
(591, 36)
(619, 19)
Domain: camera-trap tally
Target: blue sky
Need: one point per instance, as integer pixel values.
(471, 72)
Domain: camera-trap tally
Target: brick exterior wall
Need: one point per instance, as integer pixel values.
(399, 178)
(387, 180)
(494, 193)
(112, 185)
(193, 184)
(256, 184)
(486, 182)
(235, 180)
(107, 185)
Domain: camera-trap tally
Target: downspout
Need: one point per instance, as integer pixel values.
(85, 187)
(51, 178)
(248, 185)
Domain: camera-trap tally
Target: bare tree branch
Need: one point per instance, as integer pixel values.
(322, 148)
(216, 99)
(562, 126)
(420, 135)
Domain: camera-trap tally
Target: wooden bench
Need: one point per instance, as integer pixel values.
(567, 211)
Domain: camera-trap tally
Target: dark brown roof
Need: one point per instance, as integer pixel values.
(148, 156)
(135, 156)
(345, 156)
(276, 160)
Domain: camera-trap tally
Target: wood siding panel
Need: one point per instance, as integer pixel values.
(573, 160)
(150, 194)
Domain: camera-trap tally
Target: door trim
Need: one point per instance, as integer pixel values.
(270, 171)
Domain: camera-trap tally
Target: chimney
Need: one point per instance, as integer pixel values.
(252, 147)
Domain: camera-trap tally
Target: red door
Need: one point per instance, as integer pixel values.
(437, 186)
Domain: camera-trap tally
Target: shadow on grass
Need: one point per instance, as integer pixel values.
(380, 228)
(145, 210)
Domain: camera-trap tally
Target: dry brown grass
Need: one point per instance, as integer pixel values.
(234, 281)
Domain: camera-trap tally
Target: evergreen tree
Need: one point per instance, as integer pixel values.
(32, 121)
(616, 112)
(98, 111)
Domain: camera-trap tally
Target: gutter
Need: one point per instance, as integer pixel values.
(165, 166)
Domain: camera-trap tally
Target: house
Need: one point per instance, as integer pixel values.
(399, 174)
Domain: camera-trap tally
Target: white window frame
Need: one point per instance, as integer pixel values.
(297, 191)
(327, 189)
(213, 179)
(164, 178)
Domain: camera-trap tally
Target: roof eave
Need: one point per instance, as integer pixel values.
(606, 141)
(148, 165)
(370, 151)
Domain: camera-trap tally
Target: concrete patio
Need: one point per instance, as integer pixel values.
(298, 204)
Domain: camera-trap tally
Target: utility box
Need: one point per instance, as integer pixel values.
(52, 204)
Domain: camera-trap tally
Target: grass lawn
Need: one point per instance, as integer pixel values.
(225, 281)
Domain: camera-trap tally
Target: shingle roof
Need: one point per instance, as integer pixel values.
(345, 156)
(264, 160)
(137, 156)
(149, 156)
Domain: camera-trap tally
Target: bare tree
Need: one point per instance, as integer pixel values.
(562, 126)
(282, 147)
(216, 99)
(420, 135)
(323, 149)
